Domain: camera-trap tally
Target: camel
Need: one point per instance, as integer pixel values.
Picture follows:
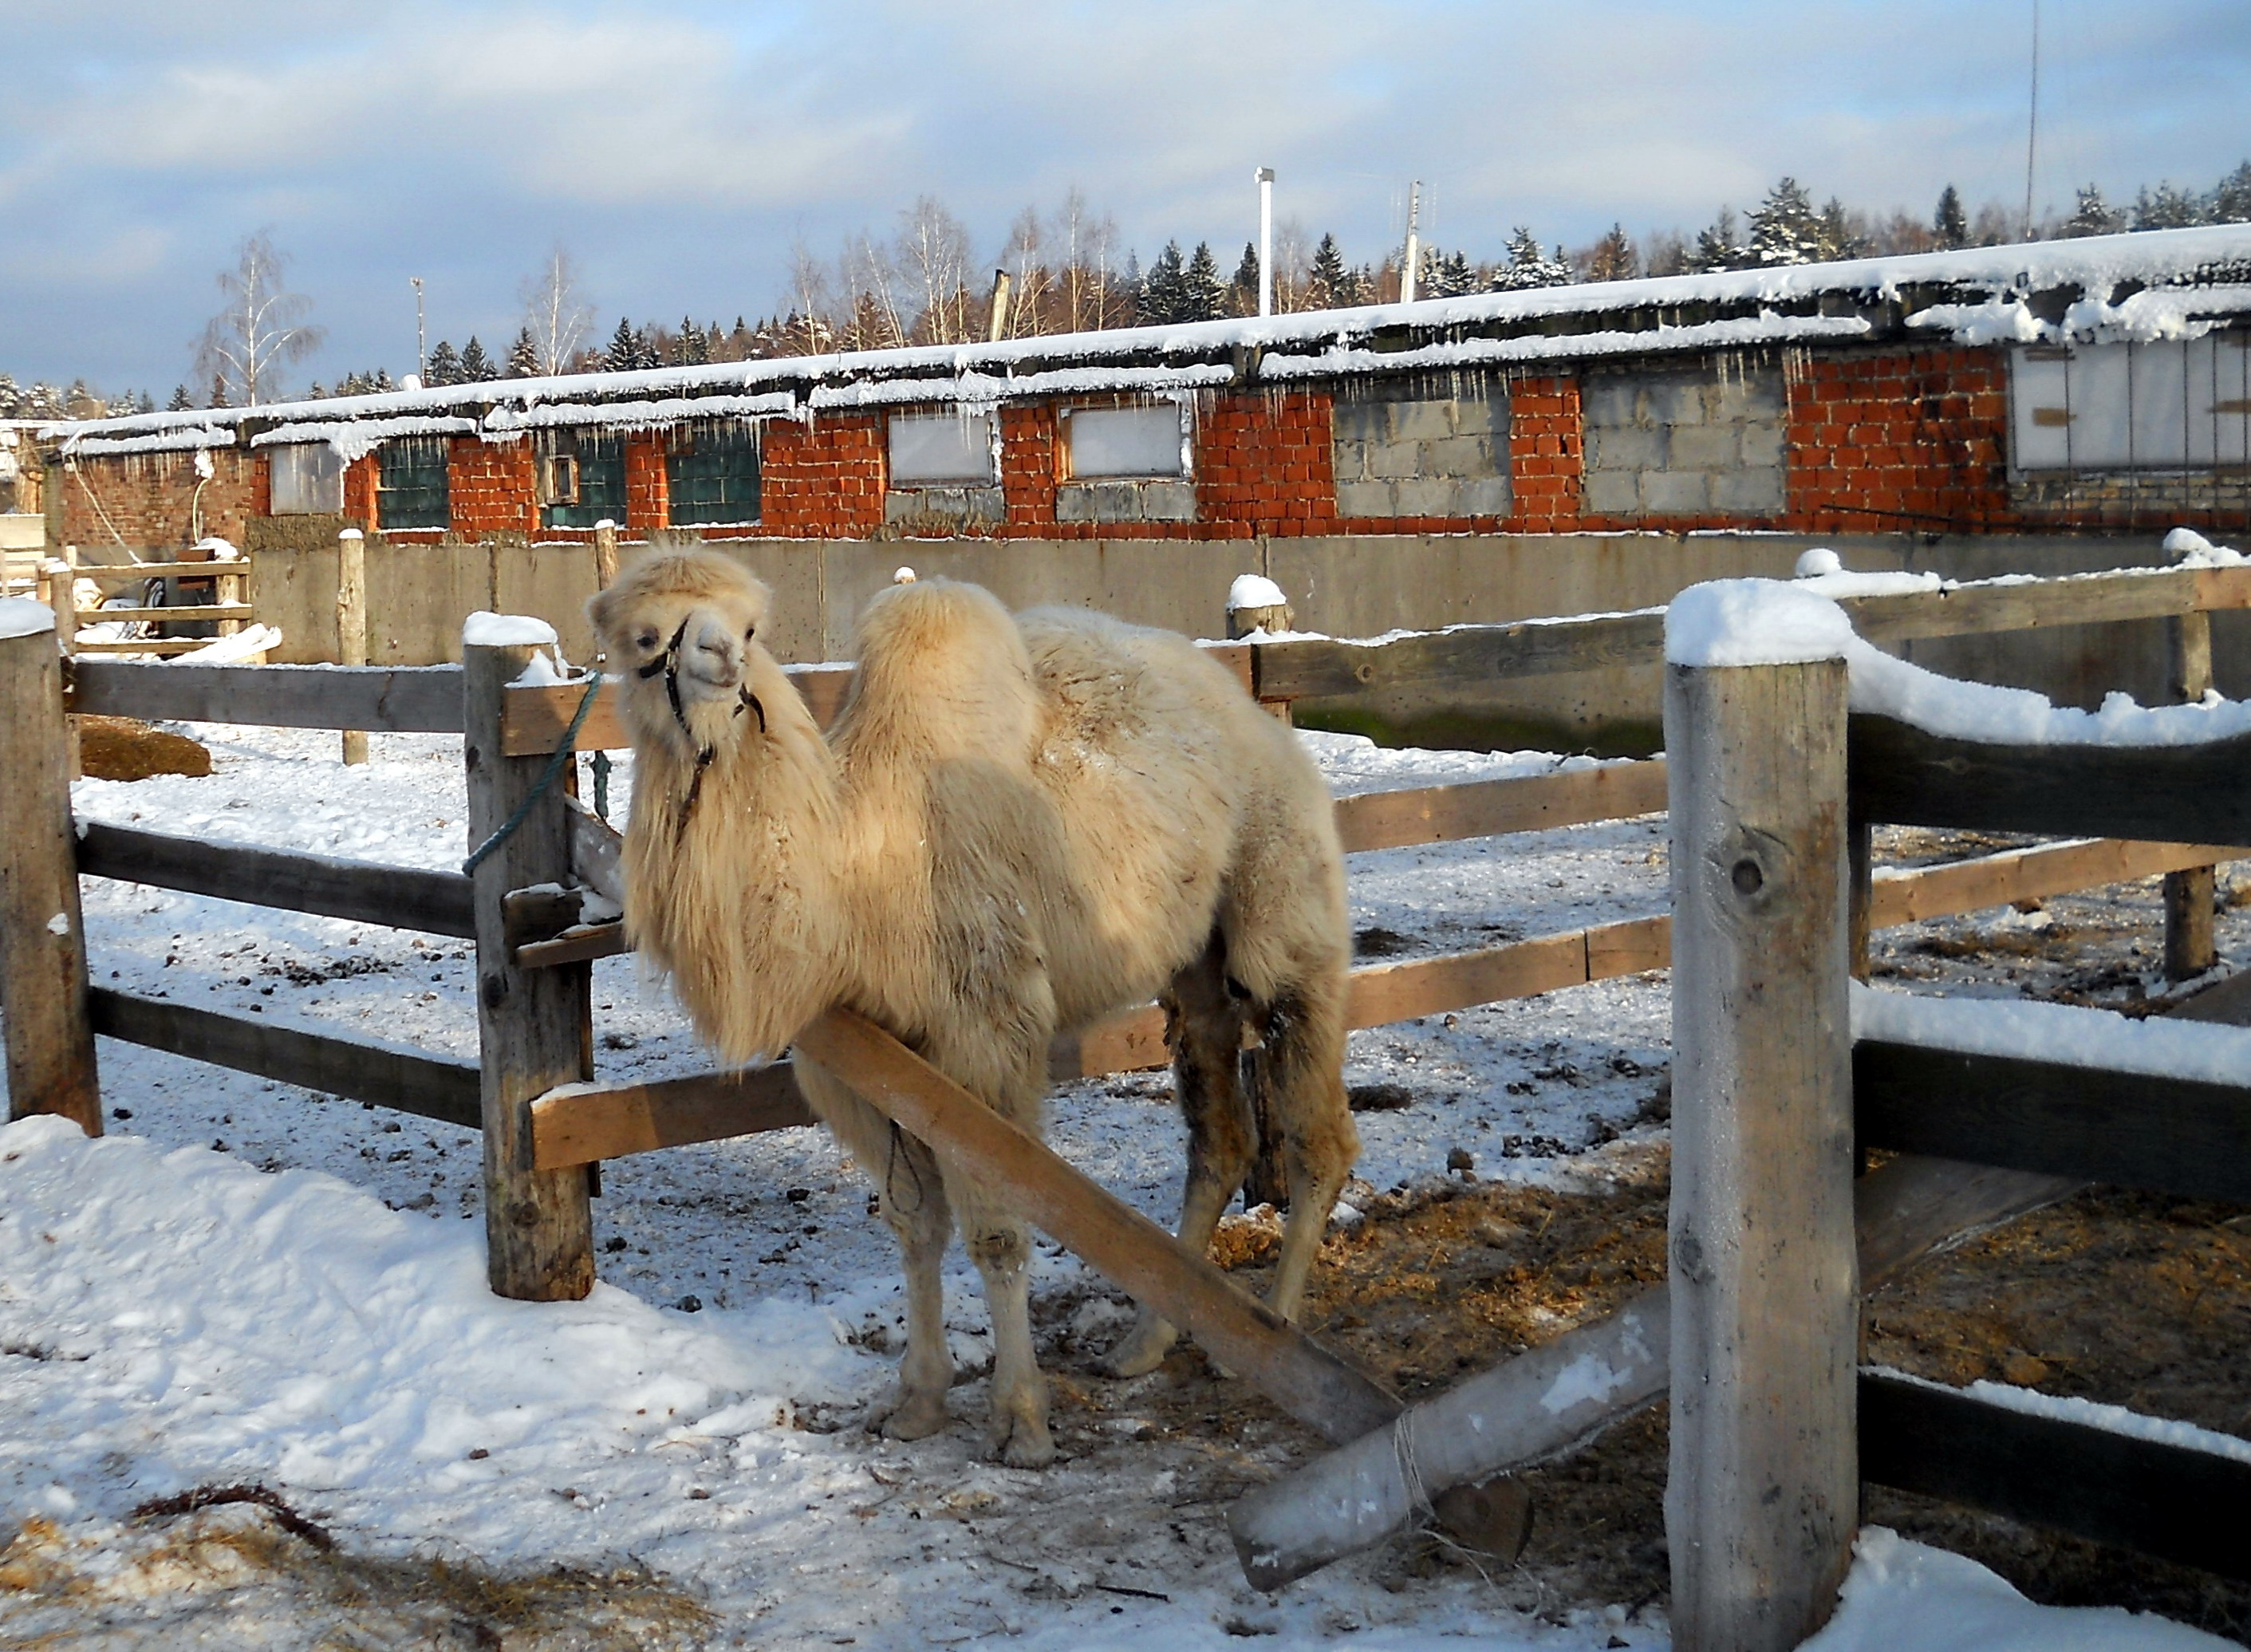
(1017, 824)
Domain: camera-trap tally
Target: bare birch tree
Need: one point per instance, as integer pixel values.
(262, 327)
(553, 311)
(932, 257)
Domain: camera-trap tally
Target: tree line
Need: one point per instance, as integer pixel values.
(1068, 270)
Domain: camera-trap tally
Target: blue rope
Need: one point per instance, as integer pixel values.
(554, 767)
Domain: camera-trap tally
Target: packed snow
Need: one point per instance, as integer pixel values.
(1254, 591)
(2065, 1034)
(2116, 1419)
(247, 1281)
(20, 616)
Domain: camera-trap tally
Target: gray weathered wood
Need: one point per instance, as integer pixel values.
(606, 554)
(1483, 809)
(1118, 1241)
(351, 623)
(535, 1028)
(2172, 1136)
(417, 699)
(50, 1041)
(1763, 1489)
(429, 1086)
(2170, 794)
(1516, 1414)
(2189, 949)
(434, 903)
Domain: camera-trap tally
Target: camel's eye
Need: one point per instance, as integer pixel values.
(646, 640)
(749, 631)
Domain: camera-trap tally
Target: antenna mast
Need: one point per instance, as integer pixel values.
(2031, 124)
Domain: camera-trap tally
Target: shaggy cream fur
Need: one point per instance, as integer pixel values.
(1017, 824)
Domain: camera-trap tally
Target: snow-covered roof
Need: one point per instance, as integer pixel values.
(2148, 285)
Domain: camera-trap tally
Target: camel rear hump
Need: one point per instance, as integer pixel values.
(941, 661)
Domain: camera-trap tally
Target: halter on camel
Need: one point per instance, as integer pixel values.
(669, 663)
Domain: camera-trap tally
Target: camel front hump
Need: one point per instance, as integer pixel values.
(1013, 826)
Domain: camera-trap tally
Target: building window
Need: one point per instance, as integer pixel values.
(944, 450)
(711, 475)
(1125, 442)
(410, 483)
(308, 480)
(582, 479)
(2172, 405)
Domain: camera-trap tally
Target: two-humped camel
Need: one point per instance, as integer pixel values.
(1017, 825)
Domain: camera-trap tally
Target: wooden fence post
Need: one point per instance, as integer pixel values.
(1267, 1182)
(533, 1027)
(62, 596)
(1762, 1493)
(43, 987)
(606, 554)
(351, 622)
(2189, 949)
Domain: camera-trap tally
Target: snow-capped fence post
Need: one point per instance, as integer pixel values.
(533, 1027)
(606, 554)
(1256, 603)
(2189, 946)
(43, 985)
(1763, 1489)
(351, 622)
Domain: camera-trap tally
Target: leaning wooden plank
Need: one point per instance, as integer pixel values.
(1543, 1402)
(1485, 808)
(2158, 1498)
(2174, 1135)
(418, 699)
(585, 1123)
(2026, 874)
(426, 1085)
(405, 897)
(2189, 794)
(1125, 1246)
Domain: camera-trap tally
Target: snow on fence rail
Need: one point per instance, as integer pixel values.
(531, 1089)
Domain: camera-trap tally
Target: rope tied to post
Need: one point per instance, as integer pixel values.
(562, 752)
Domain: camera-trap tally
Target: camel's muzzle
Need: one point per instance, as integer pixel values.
(714, 663)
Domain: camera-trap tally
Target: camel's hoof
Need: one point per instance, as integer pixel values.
(1021, 1442)
(1143, 1350)
(909, 1416)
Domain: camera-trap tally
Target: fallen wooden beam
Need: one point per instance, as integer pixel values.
(1544, 1401)
(1118, 1241)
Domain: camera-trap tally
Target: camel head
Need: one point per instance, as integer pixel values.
(681, 628)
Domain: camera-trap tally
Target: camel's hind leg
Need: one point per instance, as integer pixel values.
(1207, 1033)
(906, 1175)
(1304, 1062)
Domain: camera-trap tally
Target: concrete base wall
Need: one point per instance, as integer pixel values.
(1346, 585)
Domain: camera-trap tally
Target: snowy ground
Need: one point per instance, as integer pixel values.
(219, 1293)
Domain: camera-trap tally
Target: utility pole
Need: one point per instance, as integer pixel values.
(1265, 176)
(422, 353)
(2031, 124)
(1413, 243)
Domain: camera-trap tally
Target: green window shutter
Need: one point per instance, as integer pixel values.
(712, 473)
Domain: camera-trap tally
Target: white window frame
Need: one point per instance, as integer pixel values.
(309, 495)
(2170, 404)
(1184, 455)
(967, 475)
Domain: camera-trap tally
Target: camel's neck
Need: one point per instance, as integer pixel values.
(735, 894)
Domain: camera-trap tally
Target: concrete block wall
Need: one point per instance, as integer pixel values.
(1704, 445)
(1423, 456)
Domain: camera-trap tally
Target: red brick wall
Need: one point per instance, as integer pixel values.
(647, 489)
(1262, 467)
(1029, 459)
(360, 477)
(144, 498)
(1899, 440)
(822, 479)
(491, 487)
(1545, 453)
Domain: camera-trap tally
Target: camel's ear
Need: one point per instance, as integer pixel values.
(600, 609)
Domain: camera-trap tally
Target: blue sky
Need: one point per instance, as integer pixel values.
(679, 151)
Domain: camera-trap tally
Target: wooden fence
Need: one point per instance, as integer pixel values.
(1774, 1422)
(531, 1091)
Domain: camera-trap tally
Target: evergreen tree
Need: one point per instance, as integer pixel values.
(1718, 247)
(623, 353)
(691, 346)
(523, 356)
(2231, 200)
(1612, 258)
(11, 394)
(1785, 229)
(1246, 279)
(2165, 207)
(180, 402)
(1528, 266)
(1164, 290)
(1331, 287)
(1949, 225)
(1203, 295)
(382, 381)
(219, 391)
(476, 367)
(2094, 215)
(1840, 238)
(444, 366)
